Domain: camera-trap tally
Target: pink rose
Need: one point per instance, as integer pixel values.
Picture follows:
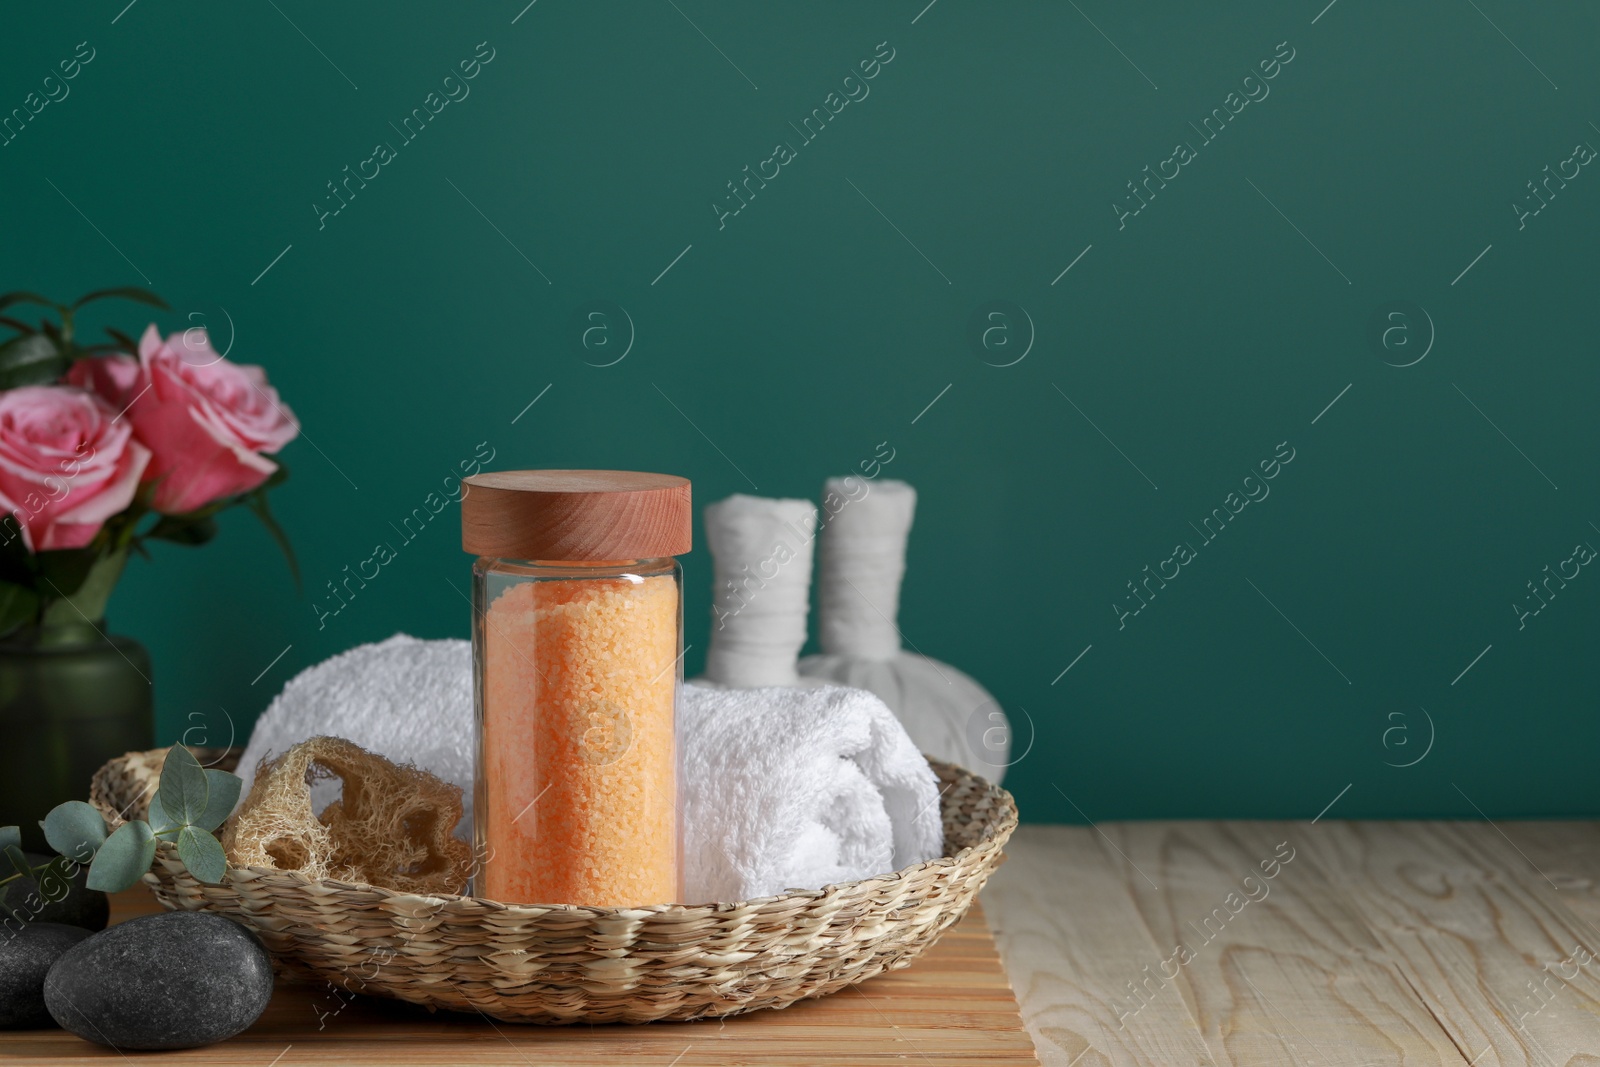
(117, 379)
(67, 464)
(206, 420)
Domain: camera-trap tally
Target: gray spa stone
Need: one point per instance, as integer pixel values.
(70, 902)
(177, 980)
(27, 952)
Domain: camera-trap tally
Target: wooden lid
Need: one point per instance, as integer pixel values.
(576, 515)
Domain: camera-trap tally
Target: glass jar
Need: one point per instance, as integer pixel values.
(578, 658)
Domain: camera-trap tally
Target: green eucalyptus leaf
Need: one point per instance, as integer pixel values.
(75, 830)
(183, 786)
(19, 861)
(10, 836)
(127, 292)
(56, 867)
(31, 359)
(161, 824)
(201, 854)
(222, 795)
(123, 859)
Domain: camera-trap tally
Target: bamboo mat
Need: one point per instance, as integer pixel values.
(951, 1008)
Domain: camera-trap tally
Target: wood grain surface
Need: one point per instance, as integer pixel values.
(1159, 944)
(952, 1008)
(1377, 943)
(576, 515)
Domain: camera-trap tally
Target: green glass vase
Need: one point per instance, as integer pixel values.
(71, 698)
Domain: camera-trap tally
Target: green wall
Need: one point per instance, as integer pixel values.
(1306, 648)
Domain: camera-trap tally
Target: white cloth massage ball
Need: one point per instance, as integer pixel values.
(948, 715)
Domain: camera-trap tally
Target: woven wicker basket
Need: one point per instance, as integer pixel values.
(567, 964)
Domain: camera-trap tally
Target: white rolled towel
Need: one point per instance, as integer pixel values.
(406, 699)
(781, 788)
(798, 788)
(761, 552)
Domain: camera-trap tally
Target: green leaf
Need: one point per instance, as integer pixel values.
(17, 564)
(201, 854)
(31, 359)
(183, 787)
(131, 347)
(65, 569)
(276, 478)
(184, 531)
(161, 824)
(222, 795)
(123, 859)
(19, 861)
(75, 830)
(17, 606)
(258, 504)
(58, 867)
(204, 511)
(87, 589)
(21, 297)
(10, 836)
(127, 292)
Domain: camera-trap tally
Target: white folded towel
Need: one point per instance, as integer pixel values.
(780, 788)
(406, 699)
(798, 788)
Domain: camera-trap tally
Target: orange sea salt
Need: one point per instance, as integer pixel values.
(579, 766)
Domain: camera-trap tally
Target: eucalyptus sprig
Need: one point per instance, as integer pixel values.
(191, 802)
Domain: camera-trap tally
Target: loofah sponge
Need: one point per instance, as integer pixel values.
(391, 826)
(405, 699)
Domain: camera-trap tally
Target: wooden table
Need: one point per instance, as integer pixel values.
(951, 1008)
(1409, 943)
(1376, 943)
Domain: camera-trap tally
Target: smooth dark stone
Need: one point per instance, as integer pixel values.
(177, 980)
(70, 902)
(27, 953)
